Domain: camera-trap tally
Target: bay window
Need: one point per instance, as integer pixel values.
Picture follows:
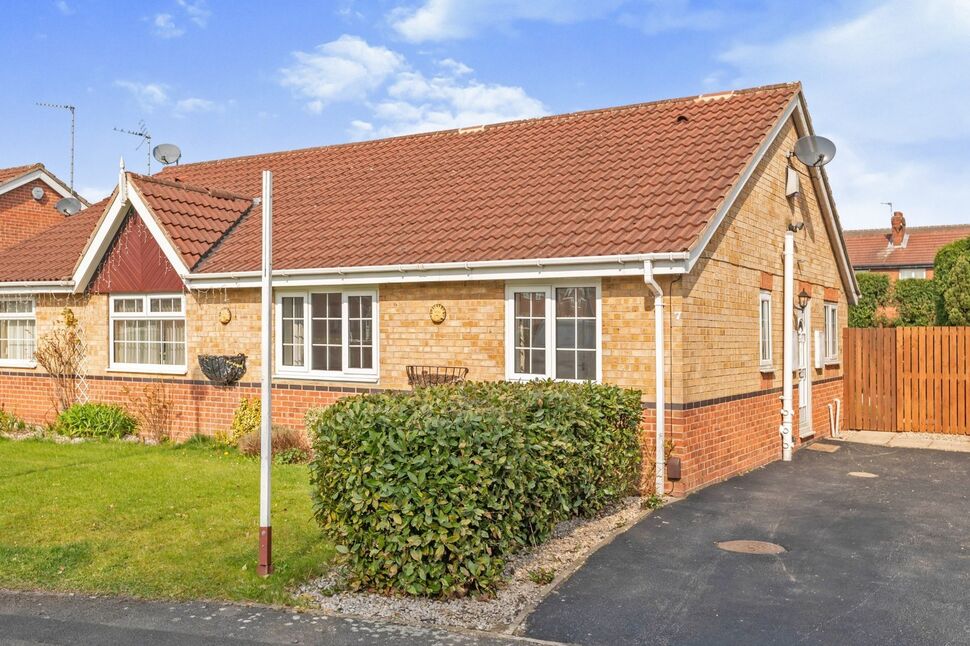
(18, 326)
(553, 331)
(148, 333)
(327, 334)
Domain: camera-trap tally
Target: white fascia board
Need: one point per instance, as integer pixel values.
(38, 287)
(739, 184)
(109, 226)
(538, 269)
(40, 174)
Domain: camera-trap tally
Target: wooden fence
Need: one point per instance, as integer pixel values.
(908, 379)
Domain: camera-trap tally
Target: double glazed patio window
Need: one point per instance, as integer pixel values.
(18, 327)
(148, 333)
(327, 333)
(553, 332)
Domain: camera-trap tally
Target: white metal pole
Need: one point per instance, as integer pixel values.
(265, 567)
(789, 327)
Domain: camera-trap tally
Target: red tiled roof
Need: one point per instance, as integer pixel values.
(870, 248)
(637, 179)
(52, 254)
(195, 218)
(7, 174)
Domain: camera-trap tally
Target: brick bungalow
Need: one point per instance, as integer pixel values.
(27, 198)
(551, 245)
(900, 251)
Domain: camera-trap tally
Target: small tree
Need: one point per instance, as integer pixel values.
(875, 294)
(956, 292)
(915, 300)
(943, 265)
(61, 353)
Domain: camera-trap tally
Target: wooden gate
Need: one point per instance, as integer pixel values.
(908, 379)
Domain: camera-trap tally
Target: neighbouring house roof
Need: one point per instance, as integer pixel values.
(872, 249)
(7, 174)
(651, 178)
(15, 176)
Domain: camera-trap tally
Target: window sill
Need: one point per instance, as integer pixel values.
(309, 376)
(766, 368)
(149, 370)
(832, 363)
(18, 364)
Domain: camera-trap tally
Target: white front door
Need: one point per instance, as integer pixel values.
(803, 372)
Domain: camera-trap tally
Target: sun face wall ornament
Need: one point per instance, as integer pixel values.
(225, 315)
(438, 313)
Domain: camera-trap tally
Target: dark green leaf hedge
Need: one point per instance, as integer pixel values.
(429, 492)
(915, 300)
(943, 264)
(875, 293)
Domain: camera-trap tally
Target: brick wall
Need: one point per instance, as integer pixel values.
(21, 216)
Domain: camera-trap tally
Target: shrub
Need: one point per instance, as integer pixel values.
(429, 492)
(95, 420)
(244, 421)
(12, 424)
(152, 407)
(915, 300)
(61, 353)
(943, 263)
(875, 293)
(290, 446)
(956, 292)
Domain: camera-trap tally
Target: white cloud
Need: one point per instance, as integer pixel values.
(341, 70)
(148, 95)
(400, 98)
(890, 85)
(64, 8)
(198, 12)
(195, 104)
(656, 16)
(437, 20)
(164, 26)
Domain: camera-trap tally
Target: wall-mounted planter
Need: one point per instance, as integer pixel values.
(223, 369)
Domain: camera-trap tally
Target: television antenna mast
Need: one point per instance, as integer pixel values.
(72, 109)
(890, 205)
(146, 138)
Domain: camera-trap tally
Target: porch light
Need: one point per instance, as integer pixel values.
(803, 297)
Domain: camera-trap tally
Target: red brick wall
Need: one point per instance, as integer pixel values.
(21, 216)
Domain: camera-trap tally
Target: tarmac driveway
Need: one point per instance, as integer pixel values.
(881, 560)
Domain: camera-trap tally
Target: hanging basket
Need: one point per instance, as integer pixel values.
(223, 369)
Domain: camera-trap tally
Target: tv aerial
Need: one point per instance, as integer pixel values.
(167, 154)
(814, 151)
(71, 109)
(146, 138)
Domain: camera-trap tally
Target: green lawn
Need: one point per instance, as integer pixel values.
(168, 522)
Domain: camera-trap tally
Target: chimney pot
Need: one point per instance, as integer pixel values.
(898, 229)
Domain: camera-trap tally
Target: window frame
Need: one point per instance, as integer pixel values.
(549, 288)
(830, 359)
(21, 316)
(146, 315)
(765, 364)
(363, 375)
(921, 270)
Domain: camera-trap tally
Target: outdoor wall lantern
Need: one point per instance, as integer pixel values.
(803, 297)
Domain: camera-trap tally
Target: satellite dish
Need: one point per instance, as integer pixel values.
(37, 193)
(814, 150)
(167, 153)
(68, 205)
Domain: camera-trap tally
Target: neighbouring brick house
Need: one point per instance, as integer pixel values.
(27, 198)
(551, 244)
(900, 251)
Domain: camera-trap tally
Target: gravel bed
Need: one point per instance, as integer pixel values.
(571, 542)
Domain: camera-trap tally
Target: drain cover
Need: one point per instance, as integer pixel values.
(751, 547)
(862, 474)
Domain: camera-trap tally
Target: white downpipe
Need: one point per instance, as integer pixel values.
(789, 327)
(660, 398)
(266, 393)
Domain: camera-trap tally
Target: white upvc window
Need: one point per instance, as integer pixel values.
(328, 334)
(913, 272)
(147, 333)
(553, 331)
(764, 339)
(831, 333)
(18, 330)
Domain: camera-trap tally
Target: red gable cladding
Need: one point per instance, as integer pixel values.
(135, 263)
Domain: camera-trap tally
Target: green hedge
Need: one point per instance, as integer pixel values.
(428, 493)
(95, 420)
(951, 286)
(875, 293)
(915, 300)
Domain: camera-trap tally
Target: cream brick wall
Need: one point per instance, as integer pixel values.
(719, 327)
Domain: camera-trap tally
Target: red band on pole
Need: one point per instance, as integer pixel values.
(265, 567)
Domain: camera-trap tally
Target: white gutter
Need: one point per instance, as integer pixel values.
(38, 287)
(658, 318)
(789, 328)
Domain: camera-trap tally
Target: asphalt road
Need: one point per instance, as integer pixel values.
(881, 560)
(35, 618)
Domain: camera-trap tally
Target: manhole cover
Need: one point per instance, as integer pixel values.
(862, 474)
(751, 547)
(824, 448)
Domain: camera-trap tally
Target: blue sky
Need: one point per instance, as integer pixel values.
(888, 80)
